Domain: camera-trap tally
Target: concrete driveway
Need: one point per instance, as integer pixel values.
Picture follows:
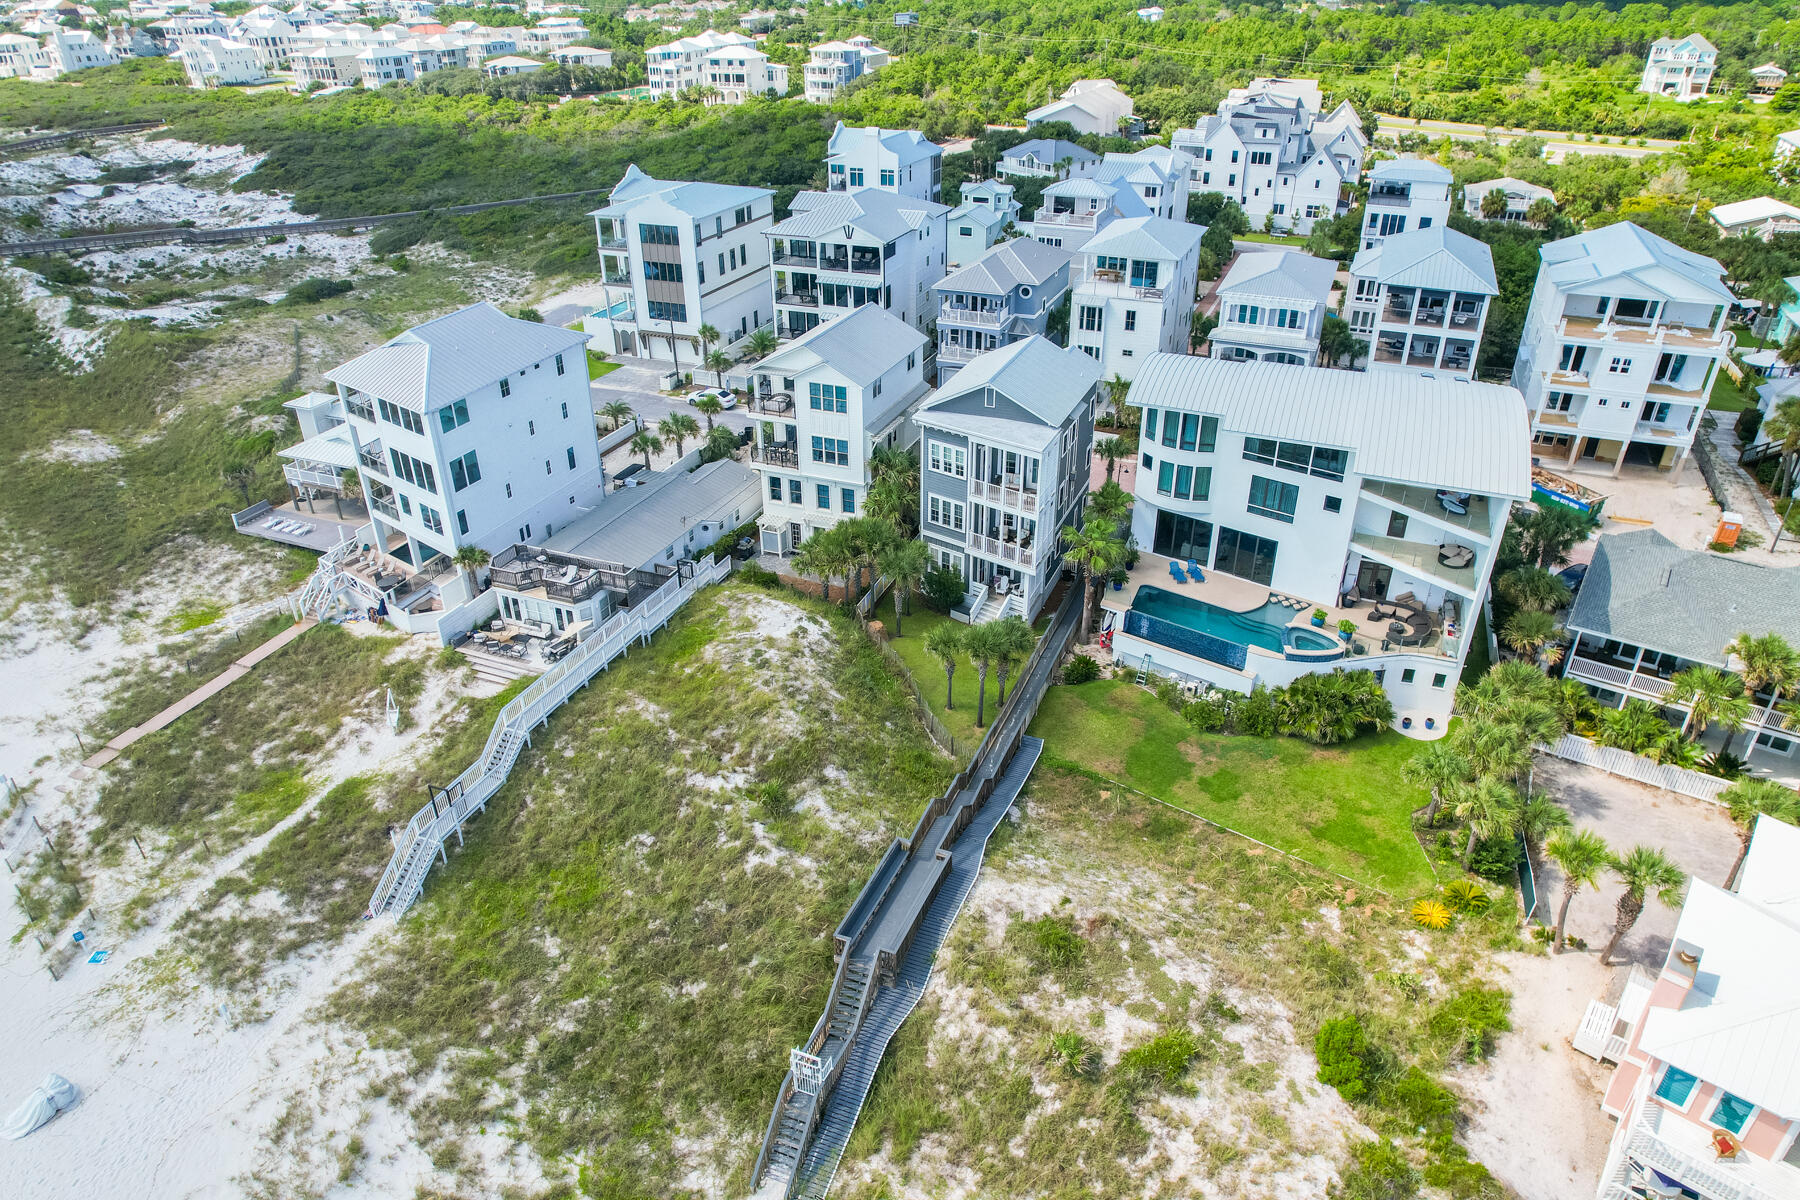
(1696, 834)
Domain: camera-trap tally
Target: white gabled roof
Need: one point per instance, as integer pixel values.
(1439, 258)
(880, 214)
(693, 199)
(1044, 379)
(1762, 208)
(1412, 428)
(1409, 170)
(1625, 252)
(331, 448)
(907, 145)
(1146, 237)
(862, 345)
(442, 361)
(1280, 274)
(1511, 186)
(1007, 265)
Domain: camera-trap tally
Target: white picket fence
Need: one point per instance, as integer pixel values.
(422, 840)
(1627, 765)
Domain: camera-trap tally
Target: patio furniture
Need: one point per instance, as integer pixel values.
(1452, 502)
(1176, 573)
(1399, 608)
(1193, 568)
(1456, 556)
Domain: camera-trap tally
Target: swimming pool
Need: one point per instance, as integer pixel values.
(1266, 627)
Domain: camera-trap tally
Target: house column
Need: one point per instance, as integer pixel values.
(1632, 682)
(1574, 649)
(1575, 441)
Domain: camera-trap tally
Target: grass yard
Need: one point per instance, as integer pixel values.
(928, 674)
(1345, 809)
(1727, 396)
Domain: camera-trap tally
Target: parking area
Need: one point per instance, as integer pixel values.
(636, 382)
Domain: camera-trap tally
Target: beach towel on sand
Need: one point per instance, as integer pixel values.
(51, 1097)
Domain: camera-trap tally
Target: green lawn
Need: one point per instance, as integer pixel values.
(1726, 396)
(598, 366)
(1477, 664)
(928, 673)
(1345, 809)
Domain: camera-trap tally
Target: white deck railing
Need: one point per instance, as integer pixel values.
(422, 840)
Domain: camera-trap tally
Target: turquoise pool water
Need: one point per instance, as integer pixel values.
(1264, 627)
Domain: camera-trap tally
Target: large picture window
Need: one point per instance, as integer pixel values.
(1272, 498)
(1246, 556)
(949, 460)
(1182, 537)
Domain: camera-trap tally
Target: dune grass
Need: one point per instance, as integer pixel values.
(1342, 808)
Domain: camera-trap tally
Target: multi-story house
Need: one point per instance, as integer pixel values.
(16, 53)
(1707, 1092)
(676, 256)
(474, 429)
(1405, 194)
(1090, 106)
(216, 62)
(1290, 491)
(833, 66)
(1071, 211)
(838, 251)
(1621, 344)
(1156, 175)
(67, 50)
(1270, 149)
(902, 161)
(1420, 300)
(1519, 195)
(1003, 468)
(824, 402)
(1136, 292)
(987, 208)
(1763, 217)
(1047, 158)
(591, 57)
(1767, 79)
(1648, 610)
(1679, 68)
(327, 66)
(1272, 307)
(271, 36)
(736, 73)
(553, 33)
(1005, 296)
(681, 64)
(389, 64)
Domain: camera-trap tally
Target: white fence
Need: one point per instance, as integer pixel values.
(422, 840)
(1635, 766)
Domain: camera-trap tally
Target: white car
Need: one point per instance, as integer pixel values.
(726, 399)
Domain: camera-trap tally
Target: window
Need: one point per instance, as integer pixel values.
(874, 390)
(1165, 479)
(509, 491)
(432, 520)
(1107, 262)
(824, 495)
(1406, 676)
(1091, 351)
(947, 513)
(1272, 498)
(665, 310)
(1130, 319)
(571, 453)
(1183, 537)
(462, 521)
(417, 473)
(1143, 274)
(1396, 525)
(546, 466)
(506, 387)
(1334, 504)
(1246, 314)
(662, 272)
(794, 491)
(1149, 424)
(452, 415)
(1090, 319)
(1676, 1086)
(1246, 556)
(1731, 1113)
(1437, 680)
(912, 360)
(775, 487)
(1329, 464)
(949, 460)
(531, 428)
(659, 235)
(565, 410)
(849, 500)
(393, 414)
(559, 371)
(887, 179)
(832, 451)
(464, 471)
(1618, 366)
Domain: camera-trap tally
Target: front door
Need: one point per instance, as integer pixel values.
(1590, 447)
(1372, 580)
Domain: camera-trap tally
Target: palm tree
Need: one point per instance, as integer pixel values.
(1769, 665)
(1635, 726)
(1534, 634)
(1748, 799)
(1096, 549)
(1673, 750)
(708, 407)
(983, 643)
(1540, 817)
(1110, 503)
(718, 362)
(645, 443)
(905, 564)
(1783, 425)
(1546, 534)
(762, 342)
(1713, 697)
(1117, 389)
(1440, 766)
(707, 335)
(678, 428)
(1112, 449)
(1533, 589)
(1575, 705)
(1490, 807)
(720, 443)
(1495, 748)
(471, 559)
(618, 412)
(1580, 854)
(1643, 870)
(944, 642)
(1014, 642)
(1541, 212)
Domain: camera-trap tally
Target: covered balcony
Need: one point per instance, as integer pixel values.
(319, 462)
(1448, 564)
(793, 253)
(973, 311)
(1005, 478)
(1003, 537)
(1683, 1150)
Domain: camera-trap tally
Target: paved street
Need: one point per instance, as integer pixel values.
(1559, 147)
(635, 382)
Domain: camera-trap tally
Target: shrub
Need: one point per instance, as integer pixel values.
(313, 290)
(1468, 1022)
(1420, 1102)
(1377, 1171)
(752, 571)
(1496, 858)
(1465, 895)
(1168, 692)
(1080, 669)
(1163, 1059)
(1432, 914)
(1451, 1169)
(1210, 713)
(1052, 942)
(1749, 421)
(1257, 715)
(943, 589)
(1342, 1050)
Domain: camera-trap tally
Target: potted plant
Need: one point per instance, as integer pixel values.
(1118, 578)
(1346, 628)
(1318, 619)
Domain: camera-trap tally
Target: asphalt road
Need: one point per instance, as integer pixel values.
(635, 383)
(1560, 145)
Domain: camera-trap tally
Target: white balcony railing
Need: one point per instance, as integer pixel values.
(991, 318)
(1010, 494)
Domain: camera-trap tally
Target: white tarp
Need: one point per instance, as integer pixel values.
(51, 1097)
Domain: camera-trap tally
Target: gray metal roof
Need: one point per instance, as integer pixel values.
(442, 361)
(1645, 590)
(635, 525)
(909, 145)
(1623, 253)
(1409, 170)
(1428, 430)
(862, 345)
(1050, 151)
(1509, 185)
(696, 199)
(1282, 274)
(881, 215)
(981, 214)
(1146, 237)
(1439, 258)
(1007, 265)
(331, 448)
(1039, 376)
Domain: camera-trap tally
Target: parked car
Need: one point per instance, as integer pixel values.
(726, 399)
(1573, 575)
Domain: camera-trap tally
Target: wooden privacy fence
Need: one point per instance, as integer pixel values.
(1627, 765)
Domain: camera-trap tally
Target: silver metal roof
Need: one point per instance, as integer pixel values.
(442, 361)
(909, 145)
(1036, 374)
(1284, 274)
(1007, 265)
(696, 199)
(1049, 151)
(1437, 258)
(331, 448)
(881, 215)
(635, 525)
(862, 345)
(1411, 428)
(1146, 237)
(1625, 254)
(1409, 170)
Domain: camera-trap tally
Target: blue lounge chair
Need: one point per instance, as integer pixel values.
(1194, 570)
(1175, 570)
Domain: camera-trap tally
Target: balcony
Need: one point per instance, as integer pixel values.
(1418, 558)
(384, 507)
(1009, 492)
(1559, 420)
(1068, 220)
(1674, 337)
(1568, 379)
(1428, 504)
(1683, 1151)
(1432, 315)
(991, 318)
(613, 241)
(314, 475)
(779, 454)
(774, 404)
(787, 258)
(1002, 549)
(959, 354)
(839, 261)
(866, 262)
(1401, 313)
(1390, 198)
(369, 459)
(1650, 431)
(798, 299)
